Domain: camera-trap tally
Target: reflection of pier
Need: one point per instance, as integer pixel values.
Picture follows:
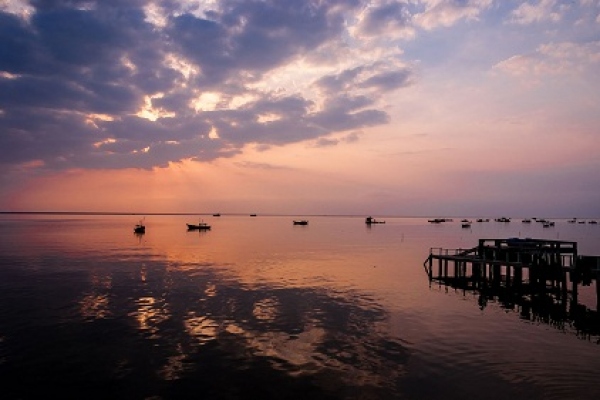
(541, 277)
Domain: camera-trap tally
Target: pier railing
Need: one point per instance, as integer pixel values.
(522, 252)
(439, 251)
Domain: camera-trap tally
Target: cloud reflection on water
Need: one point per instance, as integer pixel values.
(301, 332)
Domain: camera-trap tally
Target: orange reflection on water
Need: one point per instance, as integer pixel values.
(174, 367)
(201, 328)
(150, 313)
(266, 309)
(271, 251)
(95, 306)
(282, 348)
(211, 290)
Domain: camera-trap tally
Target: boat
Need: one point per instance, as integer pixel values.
(253, 215)
(200, 226)
(466, 224)
(216, 215)
(526, 221)
(140, 228)
(301, 222)
(371, 220)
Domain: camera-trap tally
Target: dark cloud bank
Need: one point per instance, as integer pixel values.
(69, 60)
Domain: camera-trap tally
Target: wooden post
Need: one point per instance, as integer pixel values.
(518, 276)
(430, 271)
(476, 269)
(456, 270)
(598, 285)
(446, 268)
(497, 273)
(484, 267)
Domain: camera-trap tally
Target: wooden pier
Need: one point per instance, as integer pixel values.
(531, 265)
(539, 277)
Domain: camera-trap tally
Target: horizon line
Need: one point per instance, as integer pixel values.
(257, 214)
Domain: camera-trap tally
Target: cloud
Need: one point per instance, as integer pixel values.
(147, 83)
(389, 80)
(543, 10)
(121, 84)
(367, 78)
(391, 18)
(564, 58)
(444, 13)
(352, 137)
(263, 166)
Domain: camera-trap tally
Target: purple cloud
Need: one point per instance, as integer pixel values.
(106, 84)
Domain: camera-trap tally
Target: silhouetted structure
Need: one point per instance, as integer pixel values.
(533, 274)
(140, 228)
(370, 220)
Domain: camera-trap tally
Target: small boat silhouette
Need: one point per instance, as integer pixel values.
(370, 220)
(200, 226)
(140, 228)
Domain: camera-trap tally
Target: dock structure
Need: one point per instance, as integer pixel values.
(532, 275)
(525, 265)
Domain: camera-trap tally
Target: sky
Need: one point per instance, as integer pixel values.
(407, 108)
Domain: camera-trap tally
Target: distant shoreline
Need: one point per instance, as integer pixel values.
(194, 213)
(261, 214)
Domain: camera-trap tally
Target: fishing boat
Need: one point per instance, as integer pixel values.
(466, 224)
(301, 222)
(435, 220)
(200, 226)
(140, 228)
(371, 220)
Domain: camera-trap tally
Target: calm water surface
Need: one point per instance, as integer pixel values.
(260, 308)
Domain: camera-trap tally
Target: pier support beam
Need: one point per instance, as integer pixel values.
(598, 290)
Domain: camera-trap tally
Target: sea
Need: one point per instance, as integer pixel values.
(260, 308)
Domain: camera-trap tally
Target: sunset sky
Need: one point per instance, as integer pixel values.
(414, 107)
